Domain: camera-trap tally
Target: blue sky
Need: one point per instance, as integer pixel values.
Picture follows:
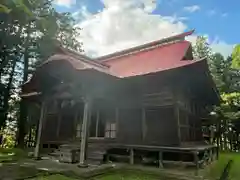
(107, 23)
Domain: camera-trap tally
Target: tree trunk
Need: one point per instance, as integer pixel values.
(218, 135)
(7, 94)
(231, 140)
(23, 108)
(224, 134)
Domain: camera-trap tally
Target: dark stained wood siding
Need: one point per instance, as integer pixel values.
(161, 127)
(49, 129)
(159, 96)
(129, 126)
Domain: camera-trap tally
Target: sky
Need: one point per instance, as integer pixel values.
(113, 25)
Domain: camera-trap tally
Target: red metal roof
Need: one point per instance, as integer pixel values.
(161, 58)
(144, 46)
(149, 58)
(152, 57)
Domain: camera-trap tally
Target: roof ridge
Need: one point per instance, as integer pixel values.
(146, 49)
(84, 58)
(143, 46)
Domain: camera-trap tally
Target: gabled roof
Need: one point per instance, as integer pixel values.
(156, 56)
(160, 58)
(164, 54)
(146, 46)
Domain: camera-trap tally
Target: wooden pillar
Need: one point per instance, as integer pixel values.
(196, 161)
(86, 116)
(178, 121)
(29, 143)
(58, 124)
(117, 119)
(75, 124)
(210, 155)
(39, 133)
(144, 126)
(131, 158)
(160, 159)
(188, 124)
(97, 123)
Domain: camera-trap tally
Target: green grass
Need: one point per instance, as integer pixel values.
(130, 176)
(211, 172)
(9, 155)
(53, 177)
(115, 176)
(215, 170)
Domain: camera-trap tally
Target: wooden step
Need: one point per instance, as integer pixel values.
(70, 146)
(94, 162)
(54, 154)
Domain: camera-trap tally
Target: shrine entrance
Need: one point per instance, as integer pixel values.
(97, 126)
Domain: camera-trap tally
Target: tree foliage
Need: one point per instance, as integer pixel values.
(202, 48)
(227, 80)
(236, 57)
(230, 106)
(30, 31)
(4, 6)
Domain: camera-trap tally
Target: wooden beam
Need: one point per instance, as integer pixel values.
(76, 123)
(131, 157)
(117, 119)
(187, 120)
(196, 162)
(40, 126)
(58, 124)
(211, 155)
(160, 159)
(86, 117)
(178, 121)
(144, 126)
(97, 123)
(30, 127)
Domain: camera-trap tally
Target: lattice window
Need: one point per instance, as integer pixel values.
(110, 131)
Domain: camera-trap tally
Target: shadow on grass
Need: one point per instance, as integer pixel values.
(10, 155)
(215, 170)
(127, 175)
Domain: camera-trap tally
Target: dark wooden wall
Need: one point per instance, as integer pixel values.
(129, 126)
(161, 126)
(158, 96)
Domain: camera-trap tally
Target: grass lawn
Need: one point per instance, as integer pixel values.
(211, 172)
(215, 170)
(53, 177)
(131, 176)
(8, 155)
(115, 176)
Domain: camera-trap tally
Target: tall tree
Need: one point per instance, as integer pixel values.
(202, 48)
(28, 34)
(226, 80)
(236, 57)
(40, 43)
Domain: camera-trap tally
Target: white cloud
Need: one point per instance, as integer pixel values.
(222, 47)
(192, 8)
(126, 23)
(66, 3)
(217, 45)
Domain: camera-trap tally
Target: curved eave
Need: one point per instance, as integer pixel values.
(76, 65)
